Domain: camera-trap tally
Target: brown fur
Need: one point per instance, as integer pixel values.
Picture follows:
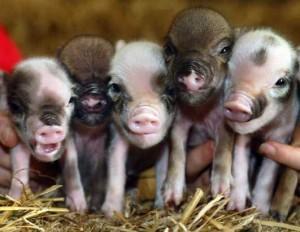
(87, 59)
(211, 33)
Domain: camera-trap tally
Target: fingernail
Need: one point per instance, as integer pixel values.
(267, 149)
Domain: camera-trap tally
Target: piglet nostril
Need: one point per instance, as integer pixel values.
(49, 134)
(144, 124)
(237, 113)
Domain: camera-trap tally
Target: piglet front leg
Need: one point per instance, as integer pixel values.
(221, 171)
(264, 185)
(161, 168)
(175, 181)
(284, 194)
(116, 176)
(240, 185)
(20, 159)
(75, 197)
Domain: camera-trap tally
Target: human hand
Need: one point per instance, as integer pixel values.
(288, 155)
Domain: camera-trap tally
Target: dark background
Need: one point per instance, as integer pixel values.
(39, 27)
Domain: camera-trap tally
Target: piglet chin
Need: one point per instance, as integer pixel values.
(144, 141)
(47, 152)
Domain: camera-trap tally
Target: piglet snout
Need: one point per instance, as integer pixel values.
(92, 103)
(193, 81)
(50, 134)
(144, 120)
(238, 108)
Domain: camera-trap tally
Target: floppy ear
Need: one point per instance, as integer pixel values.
(297, 65)
(120, 44)
(239, 31)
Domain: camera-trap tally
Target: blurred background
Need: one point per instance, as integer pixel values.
(39, 27)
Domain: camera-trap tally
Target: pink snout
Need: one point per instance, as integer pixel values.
(192, 82)
(92, 103)
(50, 134)
(238, 108)
(144, 120)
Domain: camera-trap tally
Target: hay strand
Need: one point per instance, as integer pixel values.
(40, 212)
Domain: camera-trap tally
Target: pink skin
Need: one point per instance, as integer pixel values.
(37, 138)
(138, 67)
(144, 120)
(238, 107)
(192, 82)
(48, 141)
(92, 103)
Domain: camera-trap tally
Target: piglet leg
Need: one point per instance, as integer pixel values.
(20, 159)
(161, 169)
(287, 186)
(240, 185)
(75, 197)
(221, 171)
(175, 181)
(264, 185)
(283, 198)
(116, 176)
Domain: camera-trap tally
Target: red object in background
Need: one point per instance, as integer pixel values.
(9, 53)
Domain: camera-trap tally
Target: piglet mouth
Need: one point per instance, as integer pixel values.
(47, 149)
(48, 142)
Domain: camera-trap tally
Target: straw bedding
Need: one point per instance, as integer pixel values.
(40, 212)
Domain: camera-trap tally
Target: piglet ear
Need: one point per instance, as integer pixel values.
(120, 44)
(297, 64)
(239, 31)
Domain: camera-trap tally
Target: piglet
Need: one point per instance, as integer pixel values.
(261, 104)
(87, 60)
(39, 97)
(143, 110)
(196, 50)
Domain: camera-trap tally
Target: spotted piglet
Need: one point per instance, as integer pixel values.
(143, 110)
(261, 104)
(39, 97)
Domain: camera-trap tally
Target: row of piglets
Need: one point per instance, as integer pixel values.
(236, 95)
(124, 103)
(62, 109)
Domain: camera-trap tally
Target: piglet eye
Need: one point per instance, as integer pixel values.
(282, 82)
(114, 88)
(169, 51)
(72, 100)
(15, 108)
(225, 50)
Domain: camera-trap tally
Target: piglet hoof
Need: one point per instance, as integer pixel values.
(76, 202)
(237, 201)
(110, 207)
(278, 216)
(159, 203)
(262, 206)
(220, 185)
(173, 195)
(15, 193)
